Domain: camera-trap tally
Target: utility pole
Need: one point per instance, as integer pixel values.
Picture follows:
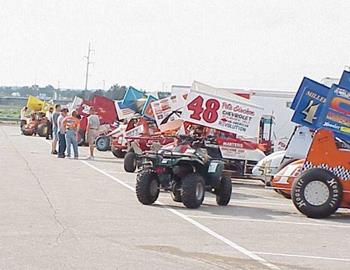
(87, 65)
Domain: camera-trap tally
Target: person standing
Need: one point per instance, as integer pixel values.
(49, 114)
(55, 116)
(92, 128)
(72, 124)
(24, 117)
(62, 134)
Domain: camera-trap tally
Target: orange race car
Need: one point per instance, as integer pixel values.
(320, 184)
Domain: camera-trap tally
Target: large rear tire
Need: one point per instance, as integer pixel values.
(317, 193)
(42, 130)
(193, 190)
(224, 191)
(102, 143)
(147, 187)
(130, 162)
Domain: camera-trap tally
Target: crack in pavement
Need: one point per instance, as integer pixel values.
(58, 222)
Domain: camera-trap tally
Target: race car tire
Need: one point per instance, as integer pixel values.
(147, 187)
(317, 193)
(102, 143)
(193, 190)
(118, 153)
(42, 130)
(130, 162)
(176, 192)
(223, 191)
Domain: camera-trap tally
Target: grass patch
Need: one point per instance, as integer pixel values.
(9, 111)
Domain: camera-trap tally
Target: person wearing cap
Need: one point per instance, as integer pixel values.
(71, 124)
(92, 128)
(62, 134)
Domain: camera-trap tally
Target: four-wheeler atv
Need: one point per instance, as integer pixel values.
(187, 172)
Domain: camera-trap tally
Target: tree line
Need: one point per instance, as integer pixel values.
(115, 92)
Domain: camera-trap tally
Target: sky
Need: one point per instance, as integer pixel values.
(152, 44)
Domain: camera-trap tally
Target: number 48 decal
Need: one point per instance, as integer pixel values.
(310, 111)
(209, 113)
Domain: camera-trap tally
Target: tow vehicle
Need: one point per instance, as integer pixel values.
(186, 171)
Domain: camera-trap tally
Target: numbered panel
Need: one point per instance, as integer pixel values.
(308, 103)
(229, 115)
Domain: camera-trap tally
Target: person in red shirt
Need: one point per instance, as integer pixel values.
(72, 124)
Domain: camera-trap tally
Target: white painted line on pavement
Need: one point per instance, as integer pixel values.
(272, 221)
(235, 246)
(108, 175)
(302, 256)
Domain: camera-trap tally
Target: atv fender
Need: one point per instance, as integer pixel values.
(214, 172)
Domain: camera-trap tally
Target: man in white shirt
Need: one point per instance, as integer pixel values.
(92, 130)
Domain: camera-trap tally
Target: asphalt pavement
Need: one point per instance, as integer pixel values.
(79, 214)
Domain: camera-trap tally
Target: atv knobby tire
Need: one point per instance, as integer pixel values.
(102, 143)
(317, 193)
(193, 190)
(130, 162)
(147, 187)
(223, 191)
(42, 130)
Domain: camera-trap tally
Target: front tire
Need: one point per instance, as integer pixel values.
(102, 143)
(147, 187)
(317, 193)
(193, 190)
(130, 162)
(224, 191)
